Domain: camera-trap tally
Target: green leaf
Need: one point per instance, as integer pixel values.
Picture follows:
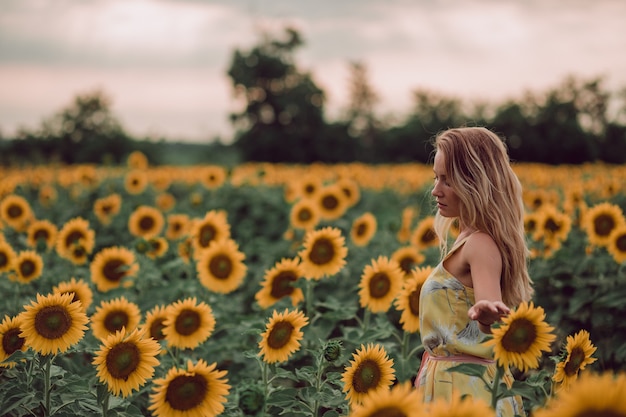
(471, 369)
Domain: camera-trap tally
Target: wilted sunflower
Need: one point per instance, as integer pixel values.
(15, 212)
(111, 316)
(106, 208)
(7, 256)
(577, 355)
(27, 266)
(408, 257)
(324, 252)
(370, 369)
(399, 401)
(591, 395)
(304, 214)
(154, 324)
(188, 323)
(75, 240)
(220, 267)
(126, 361)
(363, 229)
(10, 340)
(177, 226)
(408, 301)
(459, 407)
(199, 390)
(600, 220)
(111, 266)
(282, 335)
(424, 235)
(278, 283)
(331, 202)
(522, 337)
(146, 222)
(617, 244)
(136, 181)
(41, 234)
(79, 289)
(212, 176)
(211, 228)
(380, 284)
(53, 323)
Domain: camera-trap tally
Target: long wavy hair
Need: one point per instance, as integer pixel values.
(479, 171)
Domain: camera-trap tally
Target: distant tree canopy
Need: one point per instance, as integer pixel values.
(282, 120)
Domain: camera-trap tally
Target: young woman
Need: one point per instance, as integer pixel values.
(483, 274)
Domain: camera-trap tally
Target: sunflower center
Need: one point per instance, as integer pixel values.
(309, 189)
(379, 285)
(620, 243)
(27, 268)
(187, 322)
(414, 302)
(531, 225)
(4, 259)
(11, 341)
(280, 335)
(156, 329)
(14, 211)
(330, 202)
(106, 209)
(113, 270)
(305, 214)
(186, 392)
(520, 335)
(576, 358)
(428, 236)
(366, 377)
(322, 251)
(52, 322)
(361, 229)
(282, 284)
(221, 266)
(41, 234)
(207, 235)
(603, 225)
(146, 223)
(407, 263)
(115, 320)
(388, 412)
(73, 238)
(551, 225)
(122, 360)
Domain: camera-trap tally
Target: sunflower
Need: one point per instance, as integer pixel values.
(111, 266)
(371, 369)
(10, 340)
(79, 289)
(157, 247)
(408, 257)
(363, 229)
(304, 214)
(199, 390)
(15, 212)
(553, 225)
(591, 395)
(381, 282)
(424, 235)
(212, 176)
(177, 226)
(137, 160)
(617, 244)
(350, 190)
(577, 352)
(75, 240)
(331, 202)
(404, 233)
(537, 198)
(145, 222)
(7, 256)
(522, 337)
(220, 267)
(459, 407)
(324, 252)
(213, 227)
(282, 335)
(47, 195)
(106, 207)
(136, 181)
(399, 401)
(165, 201)
(308, 186)
(278, 283)
(53, 323)
(41, 234)
(408, 301)
(154, 324)
(188, 323)
(111, 316)
(531, 225)
(126, 361)
(27, 266)
(600, 220)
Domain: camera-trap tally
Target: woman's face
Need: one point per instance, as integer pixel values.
(448, 202)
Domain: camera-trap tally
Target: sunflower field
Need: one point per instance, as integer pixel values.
(267, 289)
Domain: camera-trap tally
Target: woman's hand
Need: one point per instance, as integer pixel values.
(488, 312)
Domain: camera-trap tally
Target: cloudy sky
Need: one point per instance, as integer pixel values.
(163, 63)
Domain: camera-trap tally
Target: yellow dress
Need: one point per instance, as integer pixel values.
(450, 338)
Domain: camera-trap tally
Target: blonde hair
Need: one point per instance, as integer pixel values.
(478, 170)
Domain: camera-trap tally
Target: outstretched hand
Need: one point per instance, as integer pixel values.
(488, 312)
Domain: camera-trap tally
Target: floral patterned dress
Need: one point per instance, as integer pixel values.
(450, 338)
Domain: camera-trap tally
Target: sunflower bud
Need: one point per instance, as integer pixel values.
(252, 400)
(332, 350)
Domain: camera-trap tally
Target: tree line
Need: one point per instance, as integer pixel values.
(282, 119)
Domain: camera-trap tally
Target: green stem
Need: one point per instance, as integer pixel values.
(46, 383)
(367, 314)
(105, 405)
(309, 298)
(318, 382)
(495, 388)
(264, 376)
